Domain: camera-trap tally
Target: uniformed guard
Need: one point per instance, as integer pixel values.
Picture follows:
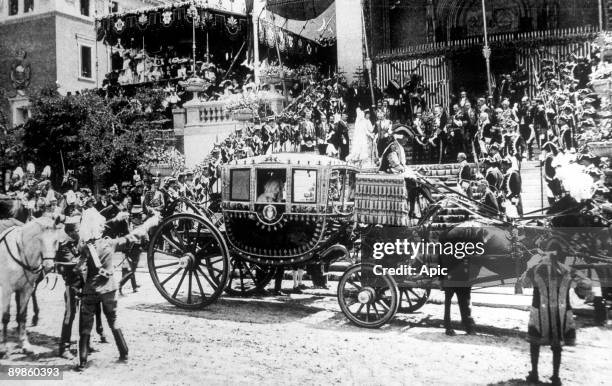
(464, 176)
(551, 321)
(67, 258)
(493, 175)
(512, 188)
(96, 267)
(554, 189)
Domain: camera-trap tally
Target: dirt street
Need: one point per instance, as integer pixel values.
(305, 339)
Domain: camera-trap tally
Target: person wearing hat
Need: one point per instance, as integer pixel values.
(492, 174)
(339, 137)
(512, 188)
(540, 122)
(67, 257)
(551, 322)
(96, 269)
(554, 189)
(102, 201)
(465, 175)
(524, 114)
(153, 200)
(393, 159)
(489, 197)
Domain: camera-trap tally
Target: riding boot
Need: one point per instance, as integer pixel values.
(83, 351)
(66, 332)
(64, 351)
(121, 344)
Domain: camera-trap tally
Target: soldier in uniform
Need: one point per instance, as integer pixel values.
(492, 174)
(512, 187)
(554, 189)
(67, 256)
(551, 322)
(96, 268)
(393, 159)
(524, 114)
(464, 175)
(489, 197)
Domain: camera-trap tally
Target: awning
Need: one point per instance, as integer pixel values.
(299, 9)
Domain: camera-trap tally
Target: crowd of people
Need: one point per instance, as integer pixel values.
(496, 132)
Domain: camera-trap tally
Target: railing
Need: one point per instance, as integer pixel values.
(543, 37)
(215, 112)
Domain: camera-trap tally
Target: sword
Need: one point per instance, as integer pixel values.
(78, 320)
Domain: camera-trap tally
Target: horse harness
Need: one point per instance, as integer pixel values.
(24, 265)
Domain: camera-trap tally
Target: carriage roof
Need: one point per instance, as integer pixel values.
(292, 159)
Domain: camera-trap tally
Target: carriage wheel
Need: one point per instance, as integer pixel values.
(411, 299)
(364, 305)
(188, 261)
(247, 278)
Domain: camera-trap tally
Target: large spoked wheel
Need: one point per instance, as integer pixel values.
(411, 299)
(364, 305)
(247, 278)
(188, 261)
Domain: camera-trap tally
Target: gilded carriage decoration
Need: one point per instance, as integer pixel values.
(286, 208)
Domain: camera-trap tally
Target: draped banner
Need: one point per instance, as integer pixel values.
(299, 9)
(116, 25)
(288, 42)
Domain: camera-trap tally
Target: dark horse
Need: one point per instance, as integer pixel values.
(14, 213)
(482, 252)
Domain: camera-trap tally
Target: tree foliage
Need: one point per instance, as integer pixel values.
(102, 139)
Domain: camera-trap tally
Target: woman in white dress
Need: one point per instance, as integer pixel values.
(362, 139)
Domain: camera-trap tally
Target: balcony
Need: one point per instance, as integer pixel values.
(511, 39)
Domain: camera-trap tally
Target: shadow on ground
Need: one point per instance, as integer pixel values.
(262, 311)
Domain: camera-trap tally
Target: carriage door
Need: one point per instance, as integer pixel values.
(341, 195)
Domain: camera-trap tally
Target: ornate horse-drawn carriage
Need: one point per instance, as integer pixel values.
(297, 209)
(279, 210)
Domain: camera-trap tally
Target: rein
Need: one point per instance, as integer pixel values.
(24, 265)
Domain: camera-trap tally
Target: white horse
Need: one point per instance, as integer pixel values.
(25, 252)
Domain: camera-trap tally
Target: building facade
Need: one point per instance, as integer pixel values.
(443, 40)
(47, 42)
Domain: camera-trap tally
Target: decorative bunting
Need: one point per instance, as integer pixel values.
(167, 18)
(119, 25)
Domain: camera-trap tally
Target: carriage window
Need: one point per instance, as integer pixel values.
(240, 184)
(271, 185)
(304, 186)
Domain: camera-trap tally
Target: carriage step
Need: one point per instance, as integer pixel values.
(339, 266)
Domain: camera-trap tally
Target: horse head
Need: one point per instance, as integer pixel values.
(41, 238)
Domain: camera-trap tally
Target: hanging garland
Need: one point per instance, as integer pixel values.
(109, 27)
(536, 42)
(287, 41)
(406, 71)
